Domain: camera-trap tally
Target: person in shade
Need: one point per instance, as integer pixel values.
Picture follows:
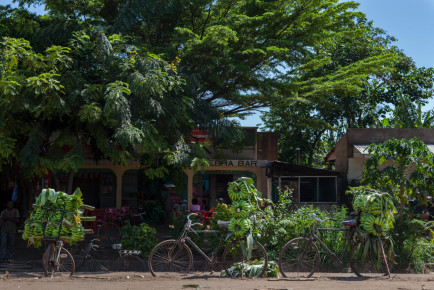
(195, 205)
(9, 218)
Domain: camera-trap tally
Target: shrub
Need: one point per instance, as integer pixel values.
(412, 243)
(141, 237)
(281, 224)
(423, 254)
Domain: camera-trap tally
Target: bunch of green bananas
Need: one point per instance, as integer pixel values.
(27, 231)
(373, 223)
(51, 229)
(37, 230)
(377, 211)
(360, 202)
(237, 191)
(240, 208)
(61, 201)
(239, 226)
(38, 214)
(55, 211)
(77, 233)
(72, 204)
(65, 231)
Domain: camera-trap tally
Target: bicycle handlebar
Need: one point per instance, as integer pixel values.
(189, 223)
(313, 216)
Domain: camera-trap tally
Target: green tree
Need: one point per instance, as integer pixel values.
(332, 97)
(97, 95)
(236, 55)
(407, 114)
(403, 168)
(360, 100)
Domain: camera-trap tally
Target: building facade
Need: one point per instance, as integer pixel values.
(350, 152)
(251, 161)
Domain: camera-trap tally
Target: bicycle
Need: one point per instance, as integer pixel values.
(57, 259)
(299, 257)
(176, 256)
(110, 233)
(128, 260)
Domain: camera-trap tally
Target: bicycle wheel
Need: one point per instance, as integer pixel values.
(298, 258)
(368, 266)
(65, 262)
(82, 264)
(48, 260)
(170, 256)
(129, 263)
(237, 264)
(109, 234)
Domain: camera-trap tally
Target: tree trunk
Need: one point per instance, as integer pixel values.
(70, 181)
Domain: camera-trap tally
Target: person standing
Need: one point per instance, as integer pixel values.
(9, 218)
(195, 205)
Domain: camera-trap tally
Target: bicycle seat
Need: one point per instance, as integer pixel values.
(223, 224)
(350, 223)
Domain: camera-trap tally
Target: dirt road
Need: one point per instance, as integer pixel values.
(123, 281)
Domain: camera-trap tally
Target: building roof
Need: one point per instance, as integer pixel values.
(279, 168)
(361, 151)
(362, 137)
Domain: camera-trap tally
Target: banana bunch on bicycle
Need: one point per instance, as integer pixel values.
(243, 194)
(376, 210)
(55, 215)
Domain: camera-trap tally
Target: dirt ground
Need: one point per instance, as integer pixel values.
(199, 280)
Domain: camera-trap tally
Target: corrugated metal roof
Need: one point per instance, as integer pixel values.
(363, 148)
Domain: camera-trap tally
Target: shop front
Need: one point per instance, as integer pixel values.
(209, 186)
(308, 185)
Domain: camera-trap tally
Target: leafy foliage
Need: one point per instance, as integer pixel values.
(280, 225)
(378, 81)
(413, 250)
(253, 270)
(403, 168)
(141, 237)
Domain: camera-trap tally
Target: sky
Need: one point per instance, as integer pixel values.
(410, 21)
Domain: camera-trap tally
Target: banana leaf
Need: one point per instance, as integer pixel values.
(51, 194)
(43, 197)
(253, 269)
(77, 193)
(249, 245)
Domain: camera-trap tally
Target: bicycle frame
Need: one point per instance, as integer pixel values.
(184, 238)
(313, 237)
(58, 252)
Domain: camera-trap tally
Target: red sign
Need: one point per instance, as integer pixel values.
(200, 136)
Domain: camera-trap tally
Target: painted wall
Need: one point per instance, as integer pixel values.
(355, 169)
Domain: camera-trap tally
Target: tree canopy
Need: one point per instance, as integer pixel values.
(131, 79)
(377, 79)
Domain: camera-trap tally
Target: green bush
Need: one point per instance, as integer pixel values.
(423, 254)
(282, 223)
(412, 243)
(141, 237)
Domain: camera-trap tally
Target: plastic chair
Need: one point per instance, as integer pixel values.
(99, 213)
(110, 214)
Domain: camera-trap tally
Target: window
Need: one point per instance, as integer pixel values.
(311, 189)
(327, 189)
